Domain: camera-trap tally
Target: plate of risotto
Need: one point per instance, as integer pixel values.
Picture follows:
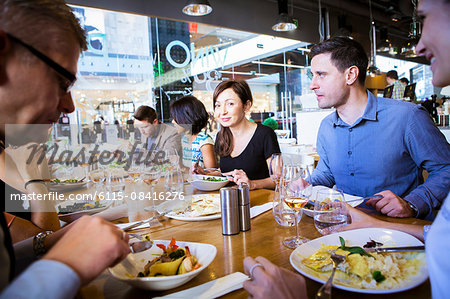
(362, 271)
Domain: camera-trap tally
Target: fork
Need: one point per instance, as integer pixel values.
(142, 245)
(325, 290)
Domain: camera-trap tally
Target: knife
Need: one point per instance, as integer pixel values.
(393, 249)
(131, 226)
(366, 198)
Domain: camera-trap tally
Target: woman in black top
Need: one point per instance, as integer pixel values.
(244, 147)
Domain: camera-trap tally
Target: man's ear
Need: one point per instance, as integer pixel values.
(155, 121)
(351, 74)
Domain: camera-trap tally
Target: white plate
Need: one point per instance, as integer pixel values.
(64, 187)
(134, 263)
(203, 185)
(347, 197)
(70, 217)
(358, 237)
(198, 218)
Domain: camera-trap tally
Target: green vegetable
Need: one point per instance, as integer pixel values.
(378, 276)
(353, 249)
(176, 254)
(212, 179)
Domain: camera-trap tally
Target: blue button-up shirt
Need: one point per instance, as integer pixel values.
(386, 149)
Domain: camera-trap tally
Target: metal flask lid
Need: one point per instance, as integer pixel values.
(228, 198)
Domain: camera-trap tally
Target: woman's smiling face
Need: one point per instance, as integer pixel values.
(228, 108)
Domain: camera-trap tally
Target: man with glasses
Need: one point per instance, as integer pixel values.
(40, 43)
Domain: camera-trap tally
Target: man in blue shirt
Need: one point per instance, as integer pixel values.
(373, 145)
(40, 43)
(266, 276)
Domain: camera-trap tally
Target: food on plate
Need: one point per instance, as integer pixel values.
(372, 244)
(81, 206)
(70, 181)
(363, 270)
(214, 179)
(310, 206)
(174, 260)
(202, 205)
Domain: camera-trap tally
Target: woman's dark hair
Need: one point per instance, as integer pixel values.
(224, 140)
(189, 110)
(345, 52)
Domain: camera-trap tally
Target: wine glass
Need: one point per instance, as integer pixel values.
(283, 215)
(173, 159)
(295, 193)
(330, 211)
(173, 181)
(136, 168)
(276, 166)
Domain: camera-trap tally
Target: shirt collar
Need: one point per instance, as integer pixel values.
(370, 113)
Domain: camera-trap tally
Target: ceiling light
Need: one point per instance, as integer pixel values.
(409, 50)
(395, 17)
(284, 21)
(372, 70)
(197, 8)
(384, 45)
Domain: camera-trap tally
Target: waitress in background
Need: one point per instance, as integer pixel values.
(244, 148)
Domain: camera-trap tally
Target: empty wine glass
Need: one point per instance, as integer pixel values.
(173, 181)
(295, 192)
(330, 211)
(276, 166)
(137, 167)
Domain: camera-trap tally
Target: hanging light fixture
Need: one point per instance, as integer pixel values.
(197, 8)
(284, 21)
(384, 45)
(372, 70)
(409, 50)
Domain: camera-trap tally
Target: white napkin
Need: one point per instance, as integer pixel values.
(256, 210)
(212, 289)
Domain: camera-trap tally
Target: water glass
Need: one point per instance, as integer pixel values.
(330, 211)
(283, 215)
(275, 167)
(173, 181)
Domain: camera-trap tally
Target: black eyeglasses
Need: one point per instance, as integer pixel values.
(68, 79)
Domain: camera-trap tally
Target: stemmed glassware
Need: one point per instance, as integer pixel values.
(136, 168)
(281, 212)
(330, 211)
(173, 181)
(276, 166)
(295, 192)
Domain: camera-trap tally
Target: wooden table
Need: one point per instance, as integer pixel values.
(265, 239)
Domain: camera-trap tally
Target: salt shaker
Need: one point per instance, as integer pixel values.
(244, 207)
(230, 211)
